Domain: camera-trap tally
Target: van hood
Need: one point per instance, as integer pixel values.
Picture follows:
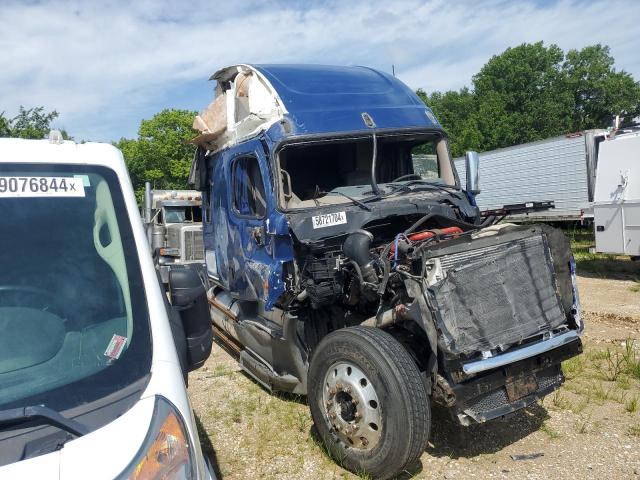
(108, 450)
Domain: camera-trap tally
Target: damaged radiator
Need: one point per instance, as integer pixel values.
(496, 296)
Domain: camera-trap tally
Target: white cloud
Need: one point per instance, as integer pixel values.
(105, 65)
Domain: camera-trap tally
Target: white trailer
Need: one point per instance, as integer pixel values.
(560, 169)
(617, 195)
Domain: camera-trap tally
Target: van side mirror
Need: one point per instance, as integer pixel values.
(472, 164)
(189, 298)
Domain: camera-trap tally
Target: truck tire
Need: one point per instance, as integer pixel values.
(368, 401)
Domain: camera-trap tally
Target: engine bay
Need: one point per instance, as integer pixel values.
(484, 287)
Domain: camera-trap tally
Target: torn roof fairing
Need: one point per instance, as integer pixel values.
(315, 99)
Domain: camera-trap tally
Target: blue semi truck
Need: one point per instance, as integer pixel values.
(347, 263)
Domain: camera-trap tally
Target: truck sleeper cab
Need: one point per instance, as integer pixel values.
(91, 367)
(347, 263)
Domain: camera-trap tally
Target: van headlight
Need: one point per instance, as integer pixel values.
(166, 452)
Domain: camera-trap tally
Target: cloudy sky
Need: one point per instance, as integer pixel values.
(106, 65)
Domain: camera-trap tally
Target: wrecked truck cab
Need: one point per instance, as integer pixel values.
(346, 262)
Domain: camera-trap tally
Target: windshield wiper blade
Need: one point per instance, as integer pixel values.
(406, 187)
(50, 416)
(355, 201)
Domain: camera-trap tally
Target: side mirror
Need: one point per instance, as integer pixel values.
(472, 164)
(189, 298)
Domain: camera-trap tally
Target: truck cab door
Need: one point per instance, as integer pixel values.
(249, 259)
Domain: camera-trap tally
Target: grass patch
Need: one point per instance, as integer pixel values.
(631, 358)
(573, 367)
(632, 405)
(634, 430)
(600, 264)
(613, 365)
(623, 382)
(551, 433)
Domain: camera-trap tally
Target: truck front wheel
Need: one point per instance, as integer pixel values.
(368, 401)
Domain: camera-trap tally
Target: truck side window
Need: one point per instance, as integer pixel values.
(248, 188)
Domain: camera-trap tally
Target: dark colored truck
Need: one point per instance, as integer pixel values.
(346, 262)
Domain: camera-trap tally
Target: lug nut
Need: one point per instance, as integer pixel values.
(332, 415)
(357, 415)
(347, 389)
(339, 386)
(355, 401)
(365, 442)
(332, 391)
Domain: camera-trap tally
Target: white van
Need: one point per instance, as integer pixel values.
(92, 358)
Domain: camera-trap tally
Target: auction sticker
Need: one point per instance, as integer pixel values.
(329, 219)
(41, 187)
(115, 347)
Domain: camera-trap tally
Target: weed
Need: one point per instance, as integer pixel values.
(632, 405)
(546, 428)
(636, 285)
(579, 406)
(599, 393)
(596, 355)
(630, 355)
(582, 426)
(623, 382)
(634, 430)
(560, 401)
(573, 367)
(614, 365)
(301, 420)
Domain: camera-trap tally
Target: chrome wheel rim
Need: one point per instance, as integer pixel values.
(351, 406)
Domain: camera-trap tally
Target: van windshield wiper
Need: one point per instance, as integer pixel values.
(40, 412)
(355, 201)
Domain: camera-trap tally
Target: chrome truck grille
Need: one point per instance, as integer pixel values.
(193, 245)
(496, 296)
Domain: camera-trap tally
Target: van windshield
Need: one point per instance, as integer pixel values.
(319, 173)
(74, 324)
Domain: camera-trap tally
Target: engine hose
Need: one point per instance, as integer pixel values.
(449, 221)
(386, 270)
(356, 267)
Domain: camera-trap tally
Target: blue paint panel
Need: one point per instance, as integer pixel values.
(327, 99)
(249, 271)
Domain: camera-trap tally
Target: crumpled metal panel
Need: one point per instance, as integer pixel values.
(497, 295)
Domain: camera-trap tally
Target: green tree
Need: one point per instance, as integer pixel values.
(522, 95)
(457, 112)
(600, 91)
(5, 126)
(33, 123)
(531, 92)
(161, 154)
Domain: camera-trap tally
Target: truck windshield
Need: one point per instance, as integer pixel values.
(312, 173)
(74, 324)
(183, 214)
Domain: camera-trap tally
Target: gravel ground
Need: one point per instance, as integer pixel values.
(590, 428)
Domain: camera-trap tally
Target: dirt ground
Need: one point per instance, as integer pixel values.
(590, 428)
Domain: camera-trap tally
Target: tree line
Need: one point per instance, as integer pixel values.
(527, 93)
(532, 92)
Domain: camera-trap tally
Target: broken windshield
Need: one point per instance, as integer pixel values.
(337, 171)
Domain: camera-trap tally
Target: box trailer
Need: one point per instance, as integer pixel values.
(560, 169)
